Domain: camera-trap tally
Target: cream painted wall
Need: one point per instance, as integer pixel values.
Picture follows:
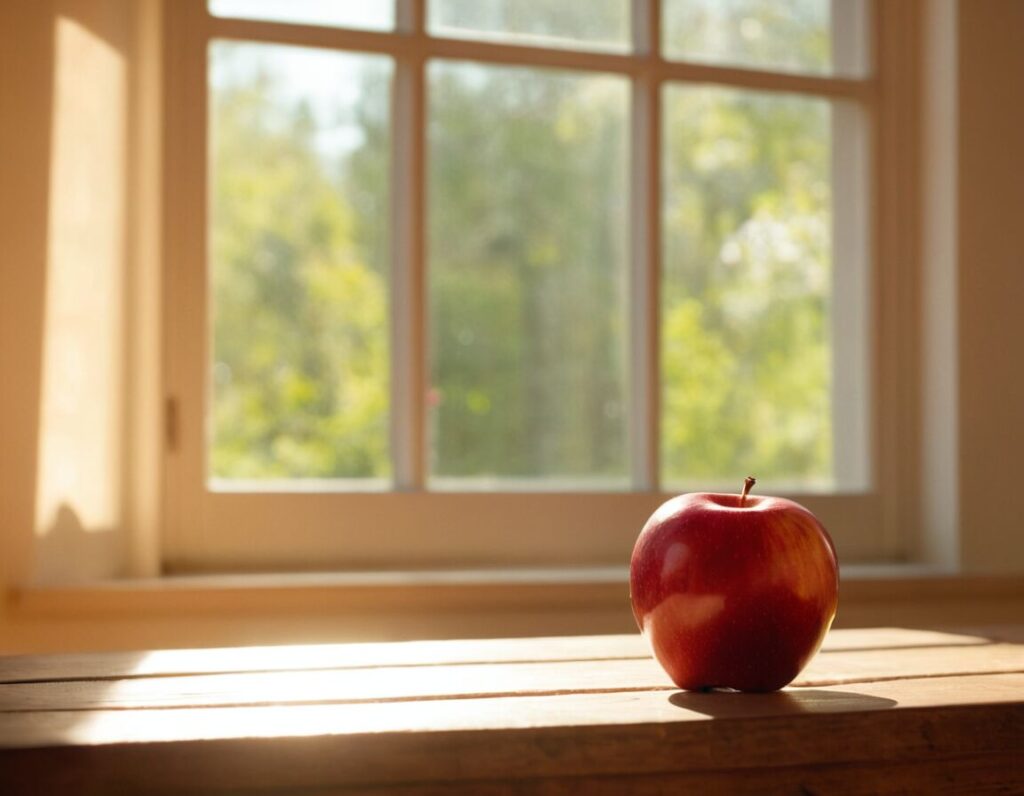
(988, 269)
(65, 215)
(26, 46)
(991, 283)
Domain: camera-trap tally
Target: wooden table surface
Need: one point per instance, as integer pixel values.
(877, 711)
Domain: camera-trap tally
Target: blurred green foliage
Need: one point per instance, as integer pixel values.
(794, 35)
(300, 310)
(528, 271)
(747, 259)
(528, 201)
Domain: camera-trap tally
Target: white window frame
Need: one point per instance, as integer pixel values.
(411, 527)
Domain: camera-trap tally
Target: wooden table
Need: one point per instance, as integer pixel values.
(878, 711)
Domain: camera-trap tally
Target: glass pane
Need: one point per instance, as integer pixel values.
(746, 290)
(591, 25)
(299, 277)
(365, 14)
(818, 36)
(528, 277)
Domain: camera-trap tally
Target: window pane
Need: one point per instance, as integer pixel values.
(528, 277)
(299, 277)
(591, 25)
(817, 36)
(746, 291)
(366, 14)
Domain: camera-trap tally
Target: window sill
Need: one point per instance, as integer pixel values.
(330, 592)
(227, 610)
(442, 589)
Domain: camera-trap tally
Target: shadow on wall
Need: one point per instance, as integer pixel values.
(67, 552)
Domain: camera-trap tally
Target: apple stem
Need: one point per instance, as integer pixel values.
(748, 482)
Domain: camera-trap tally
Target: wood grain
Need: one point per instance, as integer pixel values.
(53, 728)
(115, 665)
(553, 736)
(973, 774)
(317, 656)
(885, 710)
(373, 684)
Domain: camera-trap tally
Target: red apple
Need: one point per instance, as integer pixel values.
(733, 591)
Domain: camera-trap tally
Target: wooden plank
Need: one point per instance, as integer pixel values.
(998, 773)
(339, 685)
(475, 680)
(556, 736)
(880, 638)
(412, 653)
(51, 728)
(317, 656)
(893, 664)
(1010, 633)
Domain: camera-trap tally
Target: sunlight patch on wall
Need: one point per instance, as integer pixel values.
(82, 406)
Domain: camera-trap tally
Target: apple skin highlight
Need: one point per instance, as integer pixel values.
(733, 592)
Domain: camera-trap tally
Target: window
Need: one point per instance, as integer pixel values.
(481, 283)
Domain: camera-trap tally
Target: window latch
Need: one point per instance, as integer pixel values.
(171, 424)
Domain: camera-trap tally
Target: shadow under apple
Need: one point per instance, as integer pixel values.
(726, 704)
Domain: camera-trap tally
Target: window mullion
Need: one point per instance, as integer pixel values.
(851, 279)
(408, 286)
(646, 248)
